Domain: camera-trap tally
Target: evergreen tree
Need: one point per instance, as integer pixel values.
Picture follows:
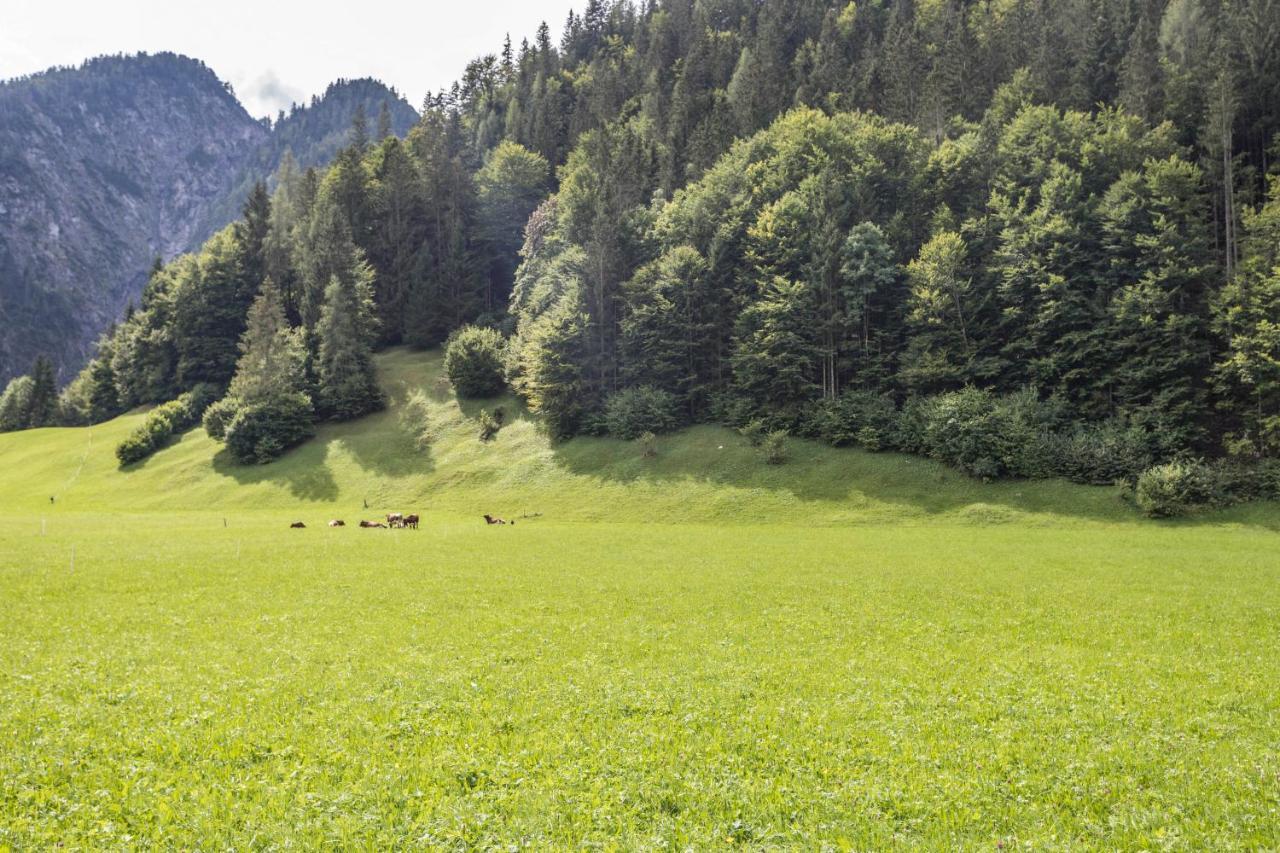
(272, 358)
(775, 360)
(512, 183)
(42, 408)
(348, 382)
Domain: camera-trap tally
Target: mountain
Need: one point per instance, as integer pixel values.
(107, 166)
(312, 134)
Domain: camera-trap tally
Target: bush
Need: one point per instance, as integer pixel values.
(1176, 488)
(473, 361)
(648, 445)
(982, 434)
(218, 416)
(1235, 482)
(754, 432)
(260, 432)
(491, 422)
(774, 447)
(863, 418)
(1102, 453)
(163, 422)
(630, 413)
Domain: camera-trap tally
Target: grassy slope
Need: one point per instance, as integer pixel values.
(877, 666)
(702, 474)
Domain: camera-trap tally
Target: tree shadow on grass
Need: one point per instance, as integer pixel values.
(829, 477)
(302, 471)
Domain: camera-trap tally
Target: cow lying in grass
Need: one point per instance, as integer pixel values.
(337, 522)
(373, 524)
(493, 519)
(297, 525)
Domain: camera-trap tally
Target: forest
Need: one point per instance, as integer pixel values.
(1028, 238)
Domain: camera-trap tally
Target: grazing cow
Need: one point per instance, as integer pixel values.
(411, 521)
(395, 519)
(373, 524)
(297, 525)
(337, 522)
(489, 519)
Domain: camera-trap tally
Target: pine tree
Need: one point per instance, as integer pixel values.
(776, 356)
(103, 399)
(384, 121)
(42, 408)
(348, 382)
(251, 233)
(510, 186)
(272, 357)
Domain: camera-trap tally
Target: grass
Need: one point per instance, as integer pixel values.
(696, 650)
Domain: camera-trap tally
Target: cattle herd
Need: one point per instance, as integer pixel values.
(395, 521)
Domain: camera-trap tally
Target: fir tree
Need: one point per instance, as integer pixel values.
(348, 382)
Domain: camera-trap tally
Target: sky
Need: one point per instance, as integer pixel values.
(275, 52)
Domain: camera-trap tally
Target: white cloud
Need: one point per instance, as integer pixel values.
(273, 52)
(268, 94)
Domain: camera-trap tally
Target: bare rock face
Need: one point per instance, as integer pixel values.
(102, 169)
(106, 167)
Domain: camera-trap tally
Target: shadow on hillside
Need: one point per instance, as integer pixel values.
(823, 475)
(302, 471)
(391, 454)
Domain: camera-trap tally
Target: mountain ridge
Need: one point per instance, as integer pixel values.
(108, 165)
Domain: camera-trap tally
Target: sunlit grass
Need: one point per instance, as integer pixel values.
(698, 650)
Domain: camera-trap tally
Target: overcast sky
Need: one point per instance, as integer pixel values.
(277, 52)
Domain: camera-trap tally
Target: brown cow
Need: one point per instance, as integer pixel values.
(373, 524)
(489, 519)
(410, 521)
(337, 522)
(297, 525)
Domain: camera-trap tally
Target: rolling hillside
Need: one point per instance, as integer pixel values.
(703, 474)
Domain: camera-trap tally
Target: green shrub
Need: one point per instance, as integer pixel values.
(260, 432)
(491, 422)
(774, 447)
(1102, 453)
(754, 432)
(218, 416)
(912, 423)
(1238, 482)
(632, 412)
(648, 445)
(163, 422)
(473, 361)
(1177, 488)
(861, 418)
(982, 434)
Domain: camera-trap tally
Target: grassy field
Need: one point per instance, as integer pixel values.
(698, 650)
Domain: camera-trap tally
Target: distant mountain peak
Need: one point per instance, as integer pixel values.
(107, 165)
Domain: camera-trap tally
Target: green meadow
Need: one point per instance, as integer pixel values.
(696, 650)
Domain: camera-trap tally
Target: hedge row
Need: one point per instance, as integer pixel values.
(165, 421)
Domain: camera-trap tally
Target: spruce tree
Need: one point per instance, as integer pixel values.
(272, 357)
(42, 409)
(348, 381)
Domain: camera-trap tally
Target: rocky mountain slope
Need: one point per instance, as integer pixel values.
(109, 165)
